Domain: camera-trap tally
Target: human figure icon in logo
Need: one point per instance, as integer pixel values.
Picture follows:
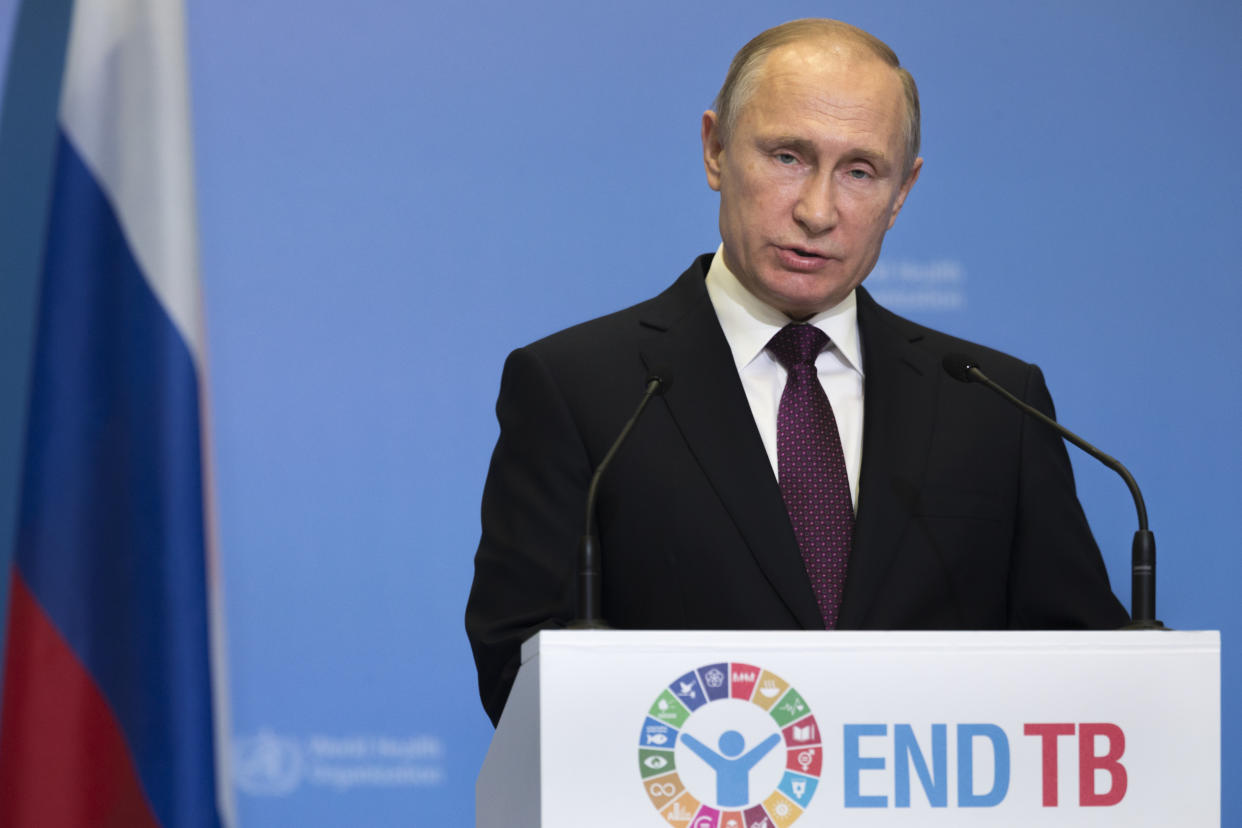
(731, 765)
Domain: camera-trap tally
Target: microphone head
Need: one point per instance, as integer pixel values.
(959, 367)
(660, 374)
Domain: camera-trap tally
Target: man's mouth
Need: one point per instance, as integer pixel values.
(801, 258)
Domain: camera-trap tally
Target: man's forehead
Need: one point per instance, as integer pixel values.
(826, 59)
(826, 83)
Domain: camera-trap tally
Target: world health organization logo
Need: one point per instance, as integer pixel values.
(267, 764)
(730, 745)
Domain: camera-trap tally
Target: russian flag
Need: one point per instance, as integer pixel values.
(110, 716)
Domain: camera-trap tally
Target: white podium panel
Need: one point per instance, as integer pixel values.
(773, 729)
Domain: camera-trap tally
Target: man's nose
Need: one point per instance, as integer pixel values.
(816, 209)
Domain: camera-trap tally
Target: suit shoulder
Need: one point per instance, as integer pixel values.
(938, 344)
(603, 336)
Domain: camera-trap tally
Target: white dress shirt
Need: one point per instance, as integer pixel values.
(748, 326)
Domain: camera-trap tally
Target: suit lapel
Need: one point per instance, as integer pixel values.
(709, 406)
(899, 410)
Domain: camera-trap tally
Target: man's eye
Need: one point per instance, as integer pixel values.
(859, 175)
(786, 158)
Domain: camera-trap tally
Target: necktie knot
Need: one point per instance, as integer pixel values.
(797, 344)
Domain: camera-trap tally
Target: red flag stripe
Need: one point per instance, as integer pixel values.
(63, 760)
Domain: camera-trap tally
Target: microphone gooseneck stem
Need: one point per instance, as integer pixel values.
(1112, 462)
(590, 570)
(1142, 549)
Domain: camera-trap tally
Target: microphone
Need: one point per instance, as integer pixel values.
(1143, 549)
(590, 576)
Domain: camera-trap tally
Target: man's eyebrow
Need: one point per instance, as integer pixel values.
(789, 141)
(877, 157)
(807, 147)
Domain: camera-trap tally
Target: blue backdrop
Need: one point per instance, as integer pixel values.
(393, 195)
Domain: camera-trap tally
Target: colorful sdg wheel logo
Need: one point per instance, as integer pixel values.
(730, 745)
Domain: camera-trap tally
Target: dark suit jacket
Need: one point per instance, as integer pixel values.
(967, 514)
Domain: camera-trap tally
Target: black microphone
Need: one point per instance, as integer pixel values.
(590, 577)
(1143, 548)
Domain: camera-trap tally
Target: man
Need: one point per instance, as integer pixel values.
(747, 497)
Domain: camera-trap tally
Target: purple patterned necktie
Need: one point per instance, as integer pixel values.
(811, 467)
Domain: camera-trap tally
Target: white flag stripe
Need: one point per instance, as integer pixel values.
(125, 107)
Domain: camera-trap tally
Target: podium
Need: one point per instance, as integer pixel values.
(773, 729)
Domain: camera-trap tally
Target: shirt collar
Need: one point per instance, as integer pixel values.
(749, 323)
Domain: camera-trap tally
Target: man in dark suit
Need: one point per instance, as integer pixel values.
(959, 512)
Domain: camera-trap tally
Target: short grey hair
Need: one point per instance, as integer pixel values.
(743, 76)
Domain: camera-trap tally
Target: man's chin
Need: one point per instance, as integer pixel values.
(802, 304)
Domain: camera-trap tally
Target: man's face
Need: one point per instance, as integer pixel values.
(812, 176)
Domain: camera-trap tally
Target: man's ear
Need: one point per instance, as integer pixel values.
(905, 191)
(713, 148)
